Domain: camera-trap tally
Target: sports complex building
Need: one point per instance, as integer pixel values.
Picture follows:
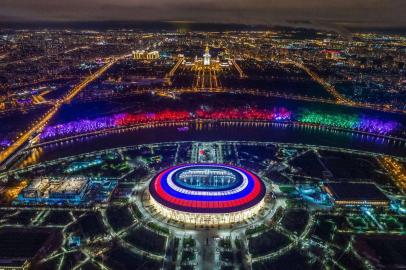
(204, 194)
(356, 194)
(68, 190)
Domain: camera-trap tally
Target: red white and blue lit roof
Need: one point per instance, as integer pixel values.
(246, 191)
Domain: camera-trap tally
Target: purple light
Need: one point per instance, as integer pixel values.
(81, 126)
(375, 125)
(5, 142)
(357, 122)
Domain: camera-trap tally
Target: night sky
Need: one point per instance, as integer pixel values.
(340, 12)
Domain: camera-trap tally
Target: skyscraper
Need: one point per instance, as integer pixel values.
(206, 56)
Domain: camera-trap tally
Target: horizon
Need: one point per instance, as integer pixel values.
(318, 14)
(190, 26)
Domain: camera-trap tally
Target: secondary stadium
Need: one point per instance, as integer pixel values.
(205, 194)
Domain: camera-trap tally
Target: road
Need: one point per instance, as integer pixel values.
(327, 86)
(36, 58)
(238, 68)
(38, 126)
(340, 99)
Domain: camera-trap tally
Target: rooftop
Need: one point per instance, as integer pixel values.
(355, 192)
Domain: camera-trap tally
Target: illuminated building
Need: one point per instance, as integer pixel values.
(138, 54)
(332, 54)
(78, 166)
(66, 191)
(205, 194)
(352, 194)
(58, 190)
(144, 55)
(10, 193)
(153, 55)
(206, 57)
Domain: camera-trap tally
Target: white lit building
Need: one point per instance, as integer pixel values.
(206, 57)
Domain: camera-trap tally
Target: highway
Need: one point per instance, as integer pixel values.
(243, 91)
(36, 58)
(340, 99)
(327, 86)
(172, 72)
(337, 98)
(238, 68)
(43, 121)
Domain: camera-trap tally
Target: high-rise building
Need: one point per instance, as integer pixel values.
(206, 56)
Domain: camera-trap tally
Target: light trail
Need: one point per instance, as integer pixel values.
(396, 170)
(175, 68)
(37, 58)
(238, 68)
(244, 91)
(327, 86)
(340, 99)
(39, 125)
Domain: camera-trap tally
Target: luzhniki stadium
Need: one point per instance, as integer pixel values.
(205, 194)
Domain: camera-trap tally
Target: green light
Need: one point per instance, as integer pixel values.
(337, 120)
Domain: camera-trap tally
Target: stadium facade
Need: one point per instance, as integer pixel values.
(206, 194)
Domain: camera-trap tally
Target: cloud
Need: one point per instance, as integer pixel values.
(371, 12)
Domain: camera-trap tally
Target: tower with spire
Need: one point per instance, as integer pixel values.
(206, 56)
